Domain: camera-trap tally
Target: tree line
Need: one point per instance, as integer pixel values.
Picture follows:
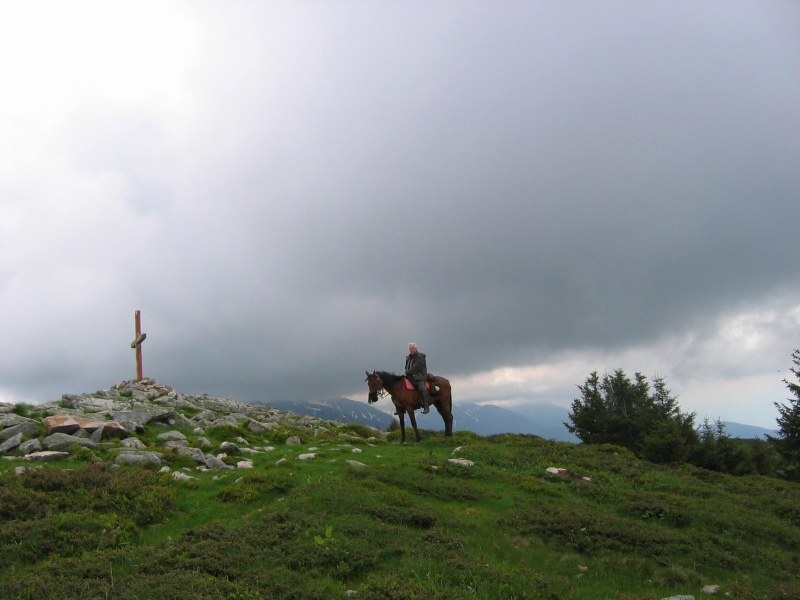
(644, 416)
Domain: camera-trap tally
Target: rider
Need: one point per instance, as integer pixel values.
(417, 372)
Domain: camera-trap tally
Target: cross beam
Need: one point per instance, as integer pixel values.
(137, 344)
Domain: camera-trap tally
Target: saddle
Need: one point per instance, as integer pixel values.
(430, 385)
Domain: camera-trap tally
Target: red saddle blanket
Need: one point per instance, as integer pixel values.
(410, 384)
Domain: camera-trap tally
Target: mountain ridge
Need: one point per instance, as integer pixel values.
(542, 418)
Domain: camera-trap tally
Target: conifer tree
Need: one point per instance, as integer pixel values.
(788, 442)
(616, 410)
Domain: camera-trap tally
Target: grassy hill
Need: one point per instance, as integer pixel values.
(408, 524)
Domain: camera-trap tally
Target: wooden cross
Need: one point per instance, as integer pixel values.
(137, 343)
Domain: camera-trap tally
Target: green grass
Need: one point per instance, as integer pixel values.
(410, 525)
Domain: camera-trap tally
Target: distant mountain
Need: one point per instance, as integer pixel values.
(483, 420)
(738, 430)
(545, 420)
(338, 409)
(541, 418)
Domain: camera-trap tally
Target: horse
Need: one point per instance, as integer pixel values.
(406, 401)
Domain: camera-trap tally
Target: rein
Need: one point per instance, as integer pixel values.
(381, 391)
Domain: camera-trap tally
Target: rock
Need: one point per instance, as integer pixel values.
(12, 442)
(229, 448)
(309, 456)
(170, 436)
(27, 429)
(63, 441)
(11, 419)
(137, 458)
(133, 442)
(244, 464)
(194, 453)
(182, 476)
(711, 589)
(135, 420)
(46, 455)
(293, 440)
(172, 444)
(355, 463)
(30, 446)
(255, 426)
(212, 462)
(461, 461)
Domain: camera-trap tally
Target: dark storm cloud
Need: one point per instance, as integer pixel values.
(499, 183)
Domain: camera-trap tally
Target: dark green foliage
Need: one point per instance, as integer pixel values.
(53, 511)
(649, 422)
(788, 441)
(254, 485)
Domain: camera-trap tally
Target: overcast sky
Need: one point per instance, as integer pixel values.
(290, 192)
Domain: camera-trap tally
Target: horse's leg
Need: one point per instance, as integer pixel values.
(413, 420)
(402, 417)
(447, 417)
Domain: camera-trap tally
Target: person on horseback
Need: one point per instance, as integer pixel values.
(417, 372)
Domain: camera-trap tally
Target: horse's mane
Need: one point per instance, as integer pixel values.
(388, 378)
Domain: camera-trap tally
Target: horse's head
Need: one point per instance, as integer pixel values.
(375, 385)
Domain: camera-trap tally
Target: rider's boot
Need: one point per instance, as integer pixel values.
(425, 404)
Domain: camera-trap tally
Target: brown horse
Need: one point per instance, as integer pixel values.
(406, 401)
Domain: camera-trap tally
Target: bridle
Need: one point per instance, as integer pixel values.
(379, 392)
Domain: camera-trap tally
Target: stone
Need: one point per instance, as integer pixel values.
(355, 463)
(12, 442)
(461, 461)
(46, 455)
(62, 442)
(194, 453)
(172, 444)
(212, 462)
(10, 419)
(170, 436)
(30, 446)
(137, 458)
(229, 448)
(292, 440)
(308, 456)
(255, 427)
(27, 429)
(133, 442)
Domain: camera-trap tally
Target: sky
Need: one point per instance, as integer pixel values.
(291, 192)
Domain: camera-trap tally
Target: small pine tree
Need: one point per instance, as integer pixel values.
(788, 442)
(616, 410)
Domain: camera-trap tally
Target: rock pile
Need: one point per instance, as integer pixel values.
(113, 420)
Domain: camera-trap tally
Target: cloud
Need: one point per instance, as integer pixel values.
(291, 193)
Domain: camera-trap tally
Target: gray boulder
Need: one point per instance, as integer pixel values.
(137, 458)
(12, 442)
(28, 429)
(63, 441)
